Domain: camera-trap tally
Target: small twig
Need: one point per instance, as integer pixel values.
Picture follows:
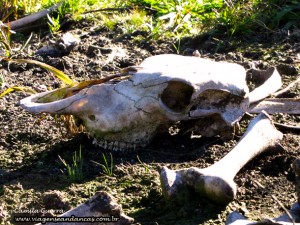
(285, 127)
(279, 126)
(20, 23)
(286, 89)
(277, 200)
(108, 9)
(127, 9)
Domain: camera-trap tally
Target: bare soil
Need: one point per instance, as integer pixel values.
(33, 177)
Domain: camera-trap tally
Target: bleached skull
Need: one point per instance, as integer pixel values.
(164, 89)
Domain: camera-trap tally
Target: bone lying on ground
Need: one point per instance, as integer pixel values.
(216, 182)
(236, 218)
(277, 105)
(163, 90)
(101, 207)
(271, 82)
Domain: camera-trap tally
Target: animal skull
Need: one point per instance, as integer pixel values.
(164, 89)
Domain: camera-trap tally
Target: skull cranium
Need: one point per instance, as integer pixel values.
(164, 89)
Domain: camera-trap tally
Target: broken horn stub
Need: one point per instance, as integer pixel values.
(165, 89)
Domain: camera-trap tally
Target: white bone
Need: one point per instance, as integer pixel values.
(163, 90)
(101, 206)
(277, 105)
(216, 182)
(271, 80)
(236, 218)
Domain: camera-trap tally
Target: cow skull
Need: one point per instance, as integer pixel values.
(164, 89)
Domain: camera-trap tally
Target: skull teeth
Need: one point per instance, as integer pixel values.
(116, 145)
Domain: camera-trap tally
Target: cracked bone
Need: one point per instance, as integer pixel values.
(164, 89)
(101, 207)
(236, 218)
(216, 181)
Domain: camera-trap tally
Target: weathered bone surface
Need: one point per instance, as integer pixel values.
(236, 218)
(163, 90)
(101, 207)
(216, 182)
(277, 105)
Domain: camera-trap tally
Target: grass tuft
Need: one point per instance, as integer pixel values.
(74, 171)
(107, 166)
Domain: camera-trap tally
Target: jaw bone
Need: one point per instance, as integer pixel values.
(216, 182)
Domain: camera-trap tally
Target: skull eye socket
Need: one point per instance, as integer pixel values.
(177, 96)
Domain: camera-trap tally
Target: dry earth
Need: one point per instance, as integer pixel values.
(31, 174)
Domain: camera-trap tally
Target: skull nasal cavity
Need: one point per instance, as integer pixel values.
(177, 96)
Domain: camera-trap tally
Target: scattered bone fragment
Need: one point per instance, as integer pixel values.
(101, 207)
(236, 218)
(270, 81)
(216, 182)
(277, 105)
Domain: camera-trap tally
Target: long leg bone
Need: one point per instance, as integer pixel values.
(216, 181)
(236, 218)
(102, 208)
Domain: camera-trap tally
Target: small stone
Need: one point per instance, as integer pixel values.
(93, 51)
(287, 69)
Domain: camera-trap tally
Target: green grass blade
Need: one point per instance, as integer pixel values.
(12, 89)
(59, 74)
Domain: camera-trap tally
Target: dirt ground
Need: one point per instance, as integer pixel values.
(33, 177)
